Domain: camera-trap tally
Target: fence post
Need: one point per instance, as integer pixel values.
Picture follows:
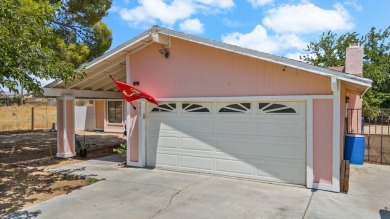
(32, 118)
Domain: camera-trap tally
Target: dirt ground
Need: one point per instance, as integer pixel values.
(24, 159)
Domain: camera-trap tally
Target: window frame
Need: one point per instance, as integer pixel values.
(115, 113)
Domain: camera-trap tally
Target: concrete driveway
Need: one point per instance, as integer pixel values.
(144, 193)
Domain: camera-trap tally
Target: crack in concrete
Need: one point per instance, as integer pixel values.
(177, 193)
(307, 207)
(141, 183)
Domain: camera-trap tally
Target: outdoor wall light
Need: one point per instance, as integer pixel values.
(284, 68)
(164, 52)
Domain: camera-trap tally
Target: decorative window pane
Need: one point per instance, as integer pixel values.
(192, 107)
(275, 108)
(115, 112)
(236, 108)
(165, 108)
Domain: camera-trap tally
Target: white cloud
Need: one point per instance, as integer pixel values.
(168, 13)
(192, 26)
(259, 3)
(307, 18)
(258, 39)
(294, 55)
(354, 4)
(224, 4)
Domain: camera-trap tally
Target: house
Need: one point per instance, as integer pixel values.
(222, 109)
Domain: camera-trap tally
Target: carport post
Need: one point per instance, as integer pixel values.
(65, 127)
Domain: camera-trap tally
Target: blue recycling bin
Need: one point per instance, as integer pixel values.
(354, 148)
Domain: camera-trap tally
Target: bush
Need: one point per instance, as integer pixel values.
(120, 150)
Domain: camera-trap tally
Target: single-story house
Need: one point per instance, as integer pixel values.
(222, 109)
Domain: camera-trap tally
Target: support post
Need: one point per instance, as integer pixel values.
(336, 135)
(65, 127)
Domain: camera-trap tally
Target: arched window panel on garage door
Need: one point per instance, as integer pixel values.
(166, 107)
(278, 107)
(196, 107)
(234, 108)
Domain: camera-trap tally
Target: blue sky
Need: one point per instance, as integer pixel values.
(280, 27)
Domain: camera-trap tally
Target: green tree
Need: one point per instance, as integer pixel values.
(49, 40)
(329, 51)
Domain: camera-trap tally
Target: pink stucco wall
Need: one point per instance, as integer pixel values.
(70, 129)
(134, 134)
(195, 70)
(60, 126)
(354, 119)
(322, 141)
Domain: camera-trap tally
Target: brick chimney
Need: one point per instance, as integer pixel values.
(354, 60)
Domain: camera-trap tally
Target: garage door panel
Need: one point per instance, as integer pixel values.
(167, 159)
(234, 167)
(168, 142)
(235, 127)
(205, 126)
(204, 163)
(166, 124)
(283, 129)
(234, 147)
(279, 150)
(282, 172)
(296, 140)
(197, 144)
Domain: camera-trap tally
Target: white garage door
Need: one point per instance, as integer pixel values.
(259, 140)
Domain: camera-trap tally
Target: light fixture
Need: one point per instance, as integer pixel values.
(284, 68)
(164, 52)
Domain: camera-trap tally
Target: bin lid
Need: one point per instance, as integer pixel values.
(355, 135)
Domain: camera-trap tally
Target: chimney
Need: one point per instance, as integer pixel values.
(354, 60)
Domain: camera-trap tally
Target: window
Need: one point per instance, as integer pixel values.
(236, 108)
(275, 108)
(165, 108)
(195, 108)
(115, 111)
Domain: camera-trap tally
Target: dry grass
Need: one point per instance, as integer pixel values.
(15, 118)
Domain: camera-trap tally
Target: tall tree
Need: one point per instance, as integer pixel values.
(329, 51)
(49, 39)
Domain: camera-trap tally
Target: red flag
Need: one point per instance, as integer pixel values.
(131, 93)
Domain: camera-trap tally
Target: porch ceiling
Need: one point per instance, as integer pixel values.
(97, 73)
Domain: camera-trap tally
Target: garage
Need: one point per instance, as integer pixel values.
(264, 140)
(221, 109)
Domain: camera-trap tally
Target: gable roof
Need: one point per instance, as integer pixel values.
(144, 39)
